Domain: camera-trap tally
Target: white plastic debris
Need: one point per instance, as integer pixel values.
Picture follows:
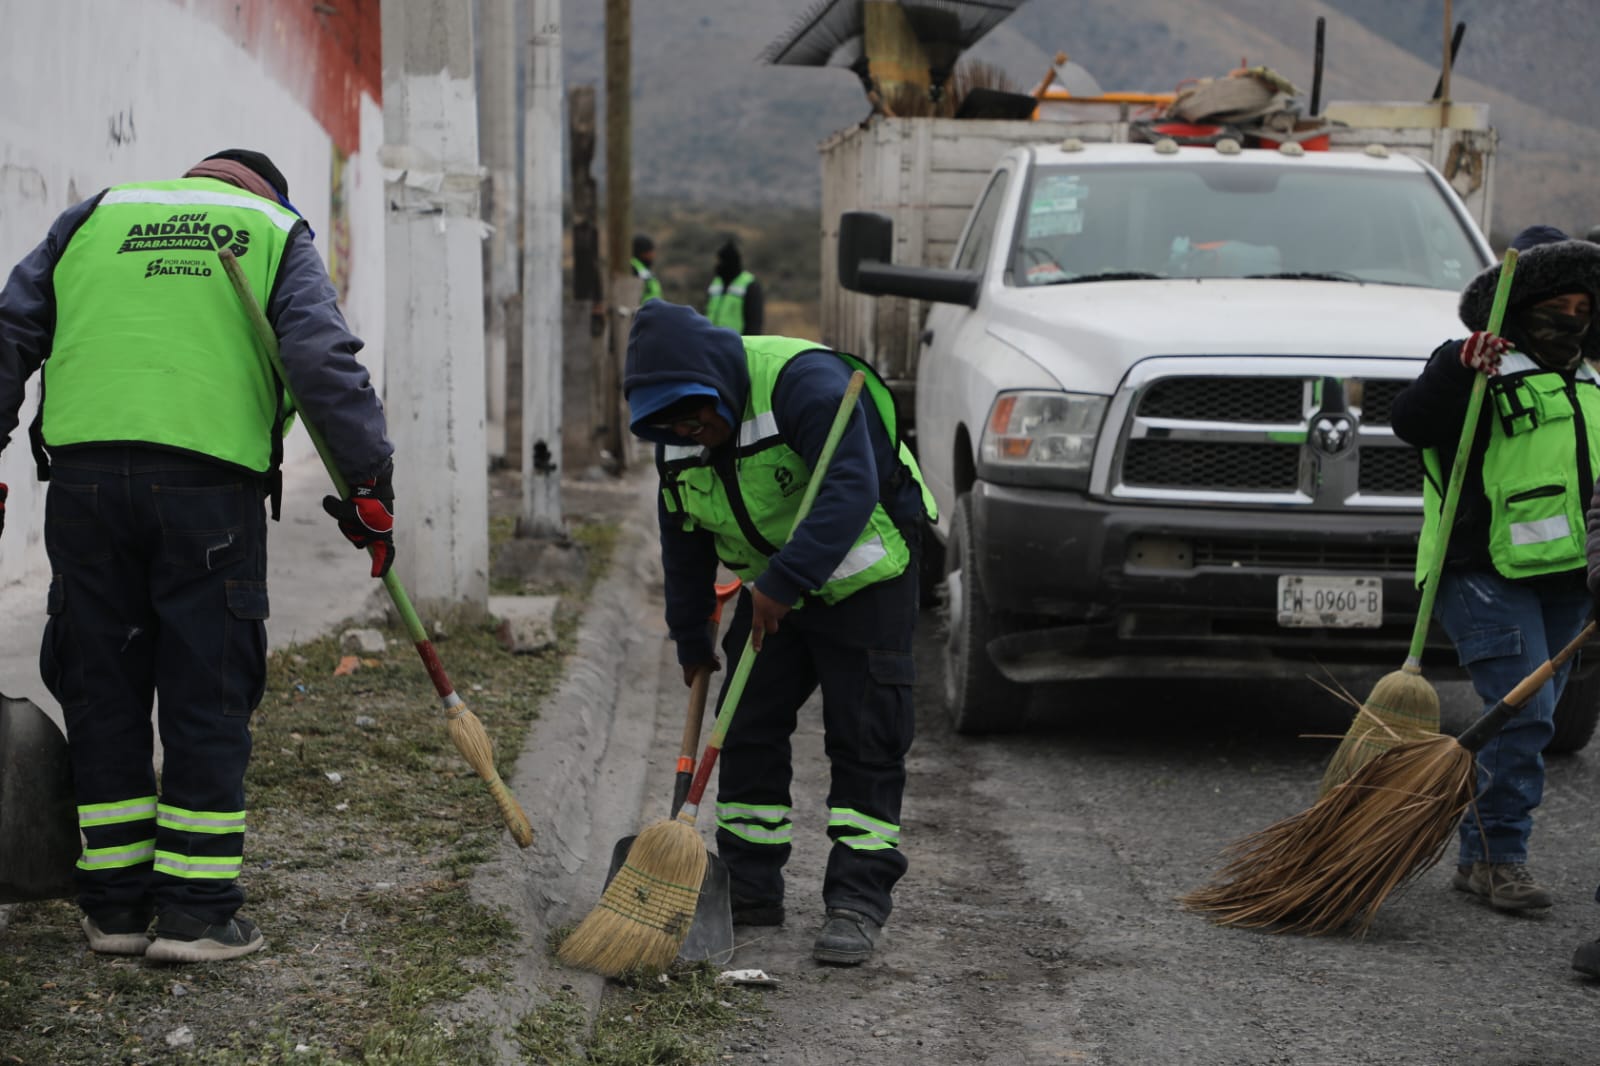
(182, 1036)
(758, 978)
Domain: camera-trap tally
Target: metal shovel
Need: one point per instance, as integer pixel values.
(711, 933)
(39, 844)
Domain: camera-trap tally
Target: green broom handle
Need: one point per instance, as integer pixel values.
(747, 658)
(470, 738)
(391, 580)
(1458, 472)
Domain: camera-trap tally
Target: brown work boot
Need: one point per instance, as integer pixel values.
(1508, 886)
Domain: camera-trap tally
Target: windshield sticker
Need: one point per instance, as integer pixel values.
(1057, 207)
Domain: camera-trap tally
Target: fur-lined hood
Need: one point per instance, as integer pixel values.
(1548, 263)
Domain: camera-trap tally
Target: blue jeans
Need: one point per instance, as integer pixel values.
(1504, 630)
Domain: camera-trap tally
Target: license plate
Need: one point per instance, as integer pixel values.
(1330, 602)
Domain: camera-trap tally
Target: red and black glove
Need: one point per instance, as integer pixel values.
(3, 492)
(367, 520)
(1482, 351)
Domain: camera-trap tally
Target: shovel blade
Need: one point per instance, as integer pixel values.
(39, 842)
(710, 935)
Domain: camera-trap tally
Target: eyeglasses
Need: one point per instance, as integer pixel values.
(688, 425)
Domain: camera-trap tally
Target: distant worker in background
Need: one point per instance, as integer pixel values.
(1512, 592)
(160, 431)
(644, 261)
(733, 300)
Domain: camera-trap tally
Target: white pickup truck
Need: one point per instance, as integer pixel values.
(1152, 402)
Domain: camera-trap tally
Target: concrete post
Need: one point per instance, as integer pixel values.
(544, 163)
(434, 324)
(622, 287)
(497, 139)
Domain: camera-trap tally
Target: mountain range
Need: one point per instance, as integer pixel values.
(716, 125)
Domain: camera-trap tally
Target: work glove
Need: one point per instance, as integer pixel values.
(367, 519)
(1482, 352)
(3, 492)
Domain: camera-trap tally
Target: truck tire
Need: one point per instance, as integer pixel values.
(1578, 710)
(977, 695)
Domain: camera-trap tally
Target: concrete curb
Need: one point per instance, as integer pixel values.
(581, 777)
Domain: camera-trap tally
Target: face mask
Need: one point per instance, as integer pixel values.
(1552, 338)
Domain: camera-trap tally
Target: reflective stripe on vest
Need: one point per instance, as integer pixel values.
(151, 343)
(725, 305)
(1541, 444)
(652, 284)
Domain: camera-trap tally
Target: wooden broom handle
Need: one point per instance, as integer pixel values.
(1478, 733)
(1547, 669)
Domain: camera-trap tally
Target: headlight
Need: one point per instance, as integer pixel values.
(1042, 437)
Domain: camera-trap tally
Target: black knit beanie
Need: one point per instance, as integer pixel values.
(258, 162)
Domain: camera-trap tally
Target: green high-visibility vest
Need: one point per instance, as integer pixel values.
(750, 507)
(652, 284)
(725, 304)
(152, 344)
(1542, 454)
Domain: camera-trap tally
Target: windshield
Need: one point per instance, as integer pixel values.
(1224, 220)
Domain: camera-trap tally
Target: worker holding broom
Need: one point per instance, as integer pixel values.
(739, 425)
(1512, 590)
(160, 431)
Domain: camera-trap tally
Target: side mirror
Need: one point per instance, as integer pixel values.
(866, 248)
(863, 236)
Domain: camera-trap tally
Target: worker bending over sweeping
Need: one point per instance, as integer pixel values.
(739, 424)
(160, 431)
(1512, 592)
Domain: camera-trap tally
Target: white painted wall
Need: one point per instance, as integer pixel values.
(97, 93)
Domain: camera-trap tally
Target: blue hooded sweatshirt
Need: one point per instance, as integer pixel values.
(673, 351)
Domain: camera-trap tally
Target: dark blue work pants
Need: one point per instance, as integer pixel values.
(158, 592)
(859, 651)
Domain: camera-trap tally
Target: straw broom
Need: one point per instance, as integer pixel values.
(645, 912)
(1333, 865)
(1403, 706)
(465, 728)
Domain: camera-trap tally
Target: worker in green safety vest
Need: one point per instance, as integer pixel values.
(643, 262)
(830, 603)
(160, 433)
(1512, 590)
(734, 299)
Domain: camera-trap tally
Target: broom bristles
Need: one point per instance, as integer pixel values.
(1334, 864)
(645, 912)
(1403, 707)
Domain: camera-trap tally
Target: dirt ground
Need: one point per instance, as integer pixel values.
(1037, 924)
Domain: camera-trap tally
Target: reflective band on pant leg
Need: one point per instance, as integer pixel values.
(756, 824)
(856, 830)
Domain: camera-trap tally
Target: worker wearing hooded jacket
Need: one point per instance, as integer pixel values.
(159, 430)
(1512, 592)
(734, 299)
(739, 426)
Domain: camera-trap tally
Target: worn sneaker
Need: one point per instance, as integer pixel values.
(118, 932)
(756, 911)
(1508, 886)
(1586, 960)
(847, 939)
(183, 938)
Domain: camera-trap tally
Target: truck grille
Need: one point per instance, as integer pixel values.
(1180, 464)
(1308, 440)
